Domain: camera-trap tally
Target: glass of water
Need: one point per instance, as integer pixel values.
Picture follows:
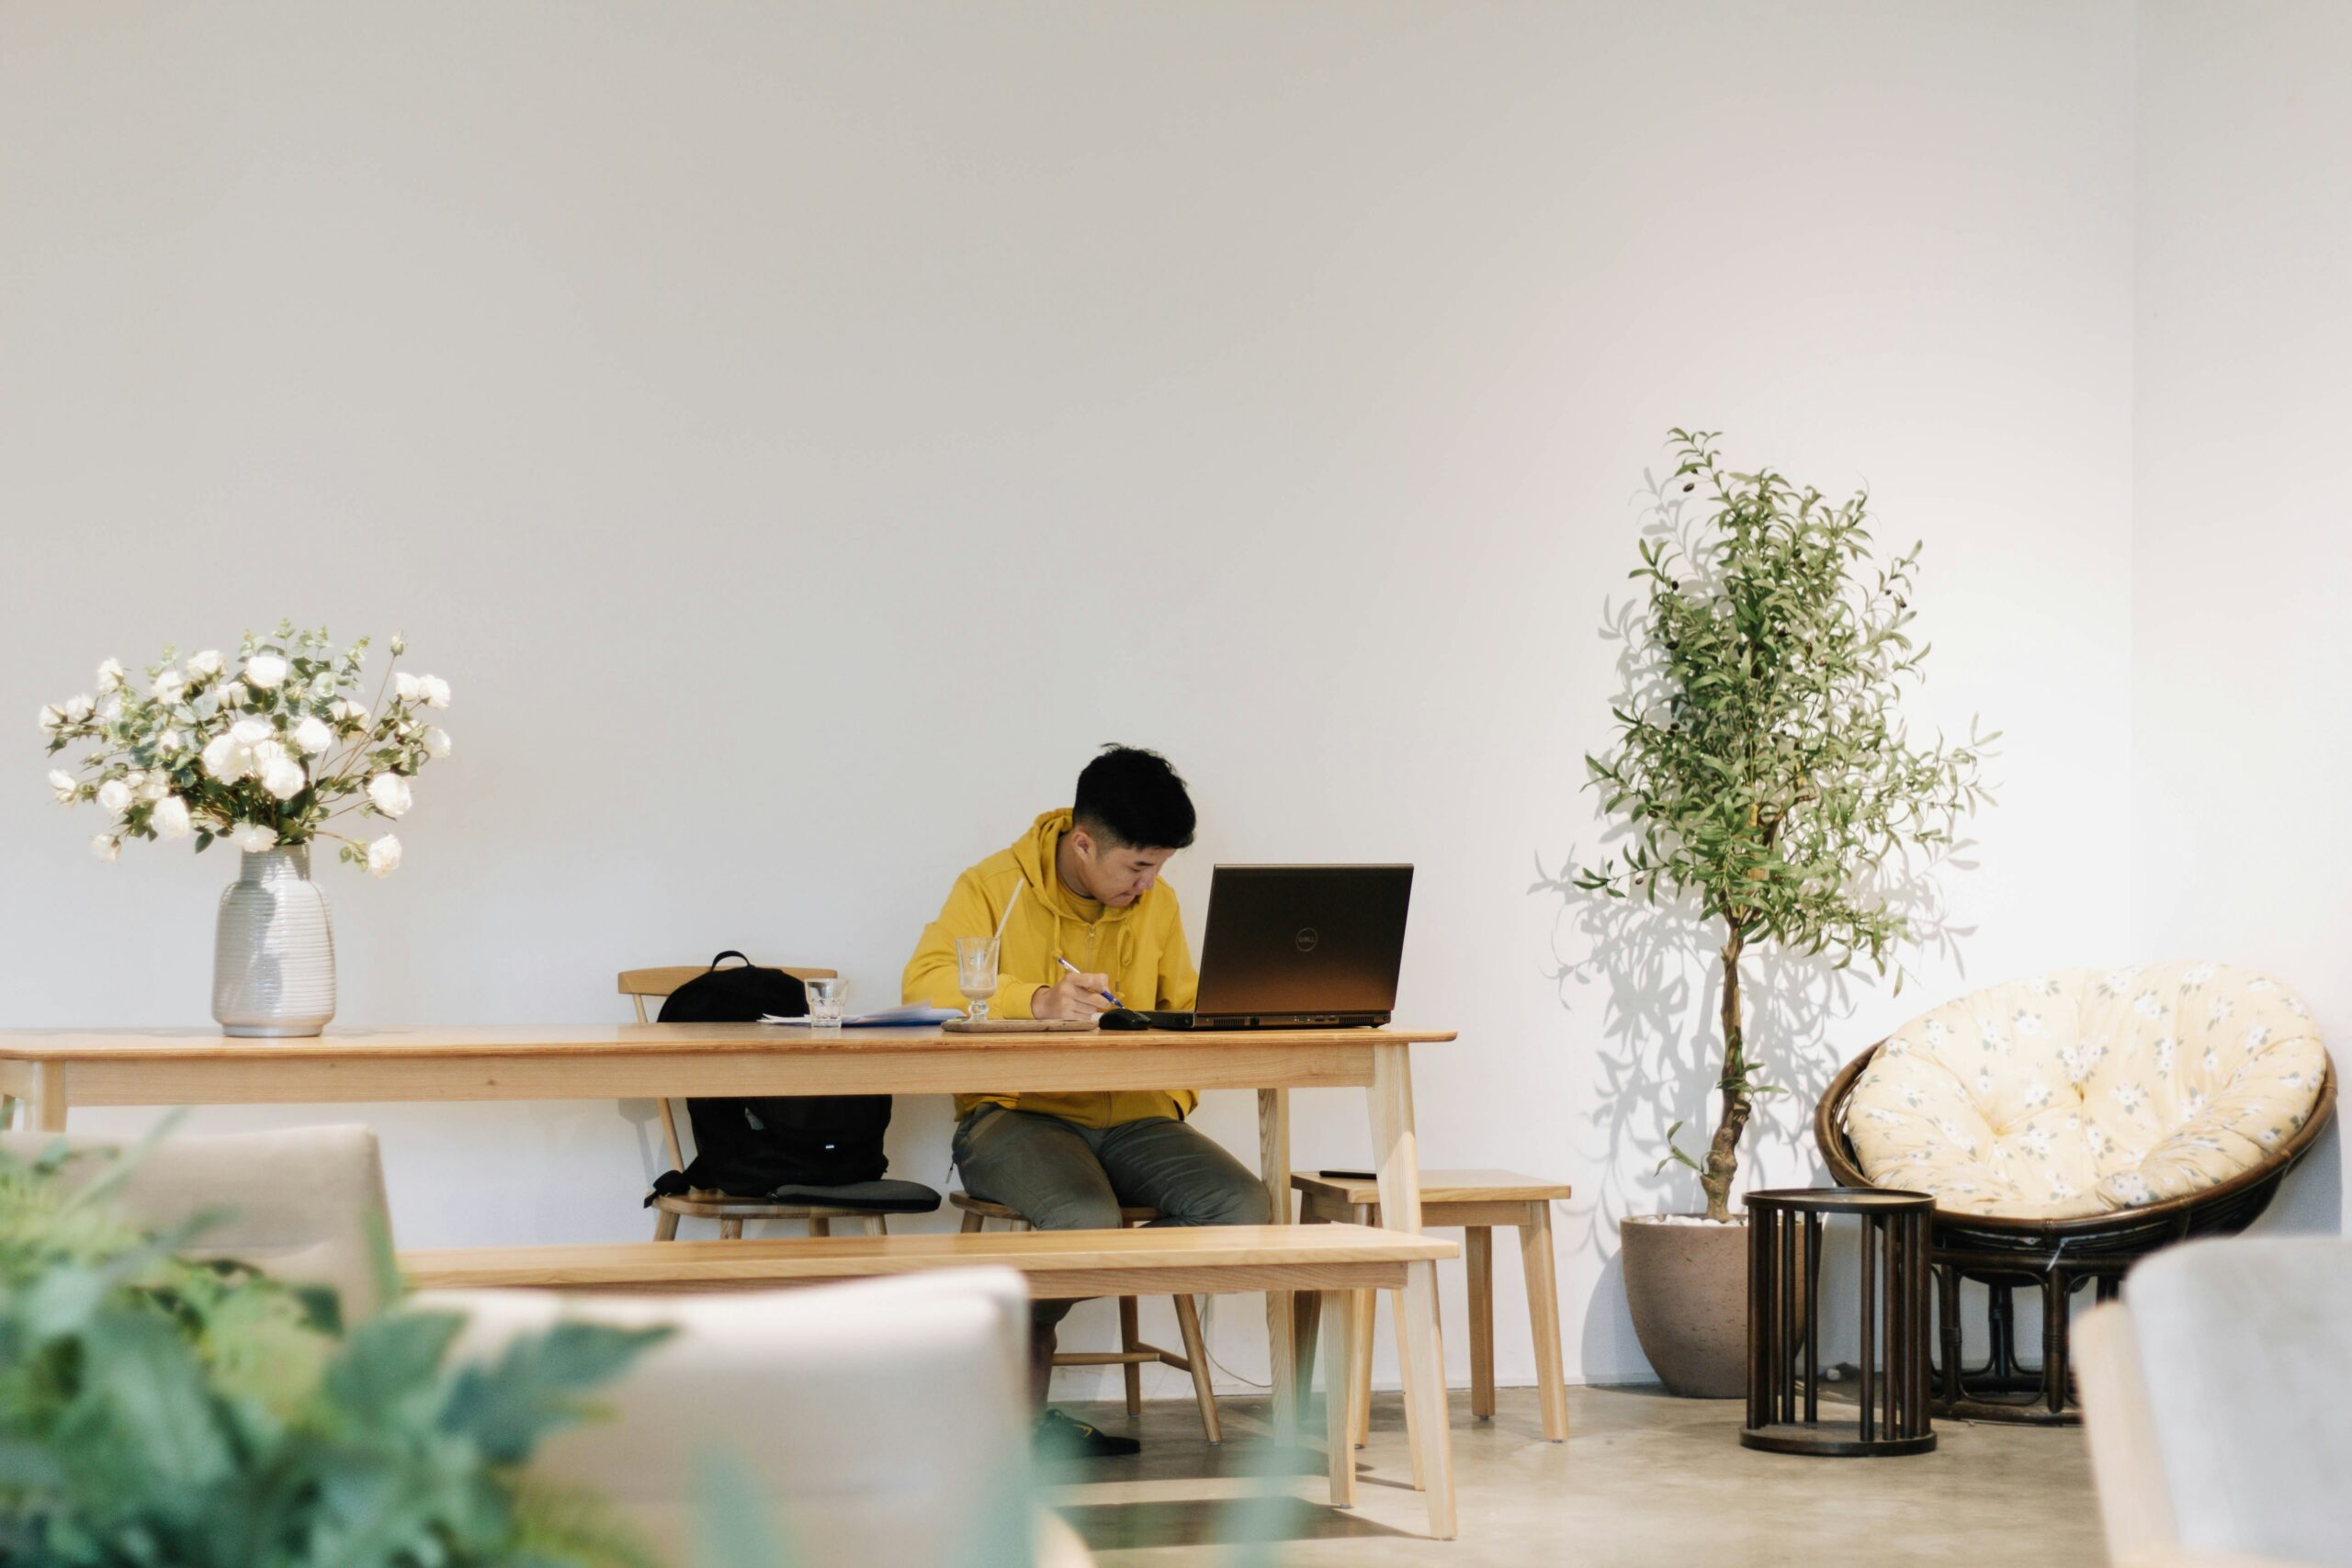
(825, 993)
(975, 973)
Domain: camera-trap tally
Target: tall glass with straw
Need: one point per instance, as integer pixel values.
(975, 958)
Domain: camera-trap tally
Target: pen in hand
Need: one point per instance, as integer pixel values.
(1104, 995)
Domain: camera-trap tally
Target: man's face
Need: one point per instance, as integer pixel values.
(1115, 875)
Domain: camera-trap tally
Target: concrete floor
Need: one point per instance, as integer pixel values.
(1643, 1479)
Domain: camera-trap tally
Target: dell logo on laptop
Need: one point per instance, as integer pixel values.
(1305, 940)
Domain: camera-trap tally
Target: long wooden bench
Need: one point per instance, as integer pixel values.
(1331, 1260)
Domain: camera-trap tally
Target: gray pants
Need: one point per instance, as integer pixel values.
(1060, 1176)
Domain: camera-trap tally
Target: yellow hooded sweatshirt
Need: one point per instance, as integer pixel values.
(1141, 948)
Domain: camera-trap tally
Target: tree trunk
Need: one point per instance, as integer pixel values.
(1723, 1152)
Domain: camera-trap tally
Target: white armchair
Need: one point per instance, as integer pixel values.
(880, 1423)
(303, 1204)
(2218, 1399)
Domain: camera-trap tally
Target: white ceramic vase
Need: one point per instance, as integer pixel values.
(272, 949)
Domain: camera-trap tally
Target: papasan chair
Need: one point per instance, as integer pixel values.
(2069, 1124)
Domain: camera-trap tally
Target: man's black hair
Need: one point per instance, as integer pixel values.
(1132, 798)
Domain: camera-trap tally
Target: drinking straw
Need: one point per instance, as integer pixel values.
(1005, 919)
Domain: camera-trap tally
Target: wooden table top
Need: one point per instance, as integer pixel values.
(560, 1040)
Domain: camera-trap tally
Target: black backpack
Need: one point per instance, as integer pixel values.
(750, 1147)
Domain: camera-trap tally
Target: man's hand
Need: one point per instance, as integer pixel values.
(1073, 996)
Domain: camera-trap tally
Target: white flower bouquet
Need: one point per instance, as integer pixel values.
(263, 755)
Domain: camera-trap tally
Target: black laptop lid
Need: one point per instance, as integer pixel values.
(1304, 939)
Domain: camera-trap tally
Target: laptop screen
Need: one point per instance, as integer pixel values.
(1304, 939)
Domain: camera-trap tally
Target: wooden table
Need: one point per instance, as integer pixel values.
(54, 1069)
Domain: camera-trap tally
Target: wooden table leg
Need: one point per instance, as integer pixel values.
(1478, 1252)
(1398, 1163)
(49, 1097)
(1544, 1318)
(1432, 1438)
(1360, 1329)
(1273, 1164)
(1337, 1312)
(1310, 1319)
(1361, 1317)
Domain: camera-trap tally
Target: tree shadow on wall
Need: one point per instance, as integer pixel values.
(1659, 973)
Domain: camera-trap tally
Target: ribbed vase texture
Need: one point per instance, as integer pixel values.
(273, 949)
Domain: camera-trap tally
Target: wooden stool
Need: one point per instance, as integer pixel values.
(1784, 1320)
(1133, 1353)
(1477, 1200)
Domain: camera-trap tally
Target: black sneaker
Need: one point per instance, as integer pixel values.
(1058, 1436)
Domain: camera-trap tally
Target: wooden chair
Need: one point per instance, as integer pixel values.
(1478, 1200)
(728, 1208)
(1132, 1354)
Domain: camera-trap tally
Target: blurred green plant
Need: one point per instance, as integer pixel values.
(159, 1411)
(1762, 765)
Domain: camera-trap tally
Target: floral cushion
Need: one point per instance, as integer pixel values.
(2085, 1091)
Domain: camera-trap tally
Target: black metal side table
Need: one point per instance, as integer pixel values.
(1783, 1322)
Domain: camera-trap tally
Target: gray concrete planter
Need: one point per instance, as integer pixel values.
(1687, 1286)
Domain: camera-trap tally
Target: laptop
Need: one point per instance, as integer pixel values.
(1299, 947)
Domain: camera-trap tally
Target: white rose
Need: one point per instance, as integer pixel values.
(111, 707)
(346, 711)
(154, 787)
(251, 731)
(436, 742)
(313, 736)
(205, 665)
(78, 708)
(268, 751)
(265, 671)
(226, 761)
(384, 856)
(284, 778)
(169, 686)
(406, 687)
(107, 847)
(115, 796)
(253, 837)
(391, 794)
(435, 690)
(65, 784)
(171, 819)
(233, 695)
(52, 718)
(110, 675)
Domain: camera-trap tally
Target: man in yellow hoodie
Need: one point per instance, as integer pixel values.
(1084, 885)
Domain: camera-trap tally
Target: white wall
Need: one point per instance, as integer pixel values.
(802, 433)
(2242, 737)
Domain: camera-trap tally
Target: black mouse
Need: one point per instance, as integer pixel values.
(1122, 1018)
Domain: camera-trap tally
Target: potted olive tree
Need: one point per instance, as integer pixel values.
(1763, 780)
